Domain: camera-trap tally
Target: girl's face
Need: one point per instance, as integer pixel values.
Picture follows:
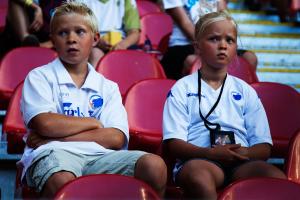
(217, 45)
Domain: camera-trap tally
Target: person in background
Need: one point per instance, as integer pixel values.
(180, 55)
(209, 103)
(75, 119)
(119, 25)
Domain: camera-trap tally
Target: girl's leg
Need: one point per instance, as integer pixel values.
(257, 169)
(200, 179)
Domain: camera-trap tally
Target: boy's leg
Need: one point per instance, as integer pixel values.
(147, 167)
(153, 170)
(257, 168)
(51, 169)
(200, 179)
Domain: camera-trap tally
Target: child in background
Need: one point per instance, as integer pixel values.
(228, 106)
(76, 122)
(180, 55)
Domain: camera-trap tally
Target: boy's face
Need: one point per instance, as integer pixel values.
(73, 38)
(217, 46)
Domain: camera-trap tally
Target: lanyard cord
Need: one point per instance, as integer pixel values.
(206, 122)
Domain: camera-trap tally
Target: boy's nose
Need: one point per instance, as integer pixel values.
(71, 38)
(223, 44)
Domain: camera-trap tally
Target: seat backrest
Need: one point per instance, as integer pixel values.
(145, 7)
(13, 124)
(240, 68)
(293, 162)
(157, 27)
(282, 105)
(261, 188)
(106, 186)
(127, 67)
(16, 64)
(144, 104)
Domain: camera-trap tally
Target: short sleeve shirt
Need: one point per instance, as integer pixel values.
(239, 110)
(50, 88)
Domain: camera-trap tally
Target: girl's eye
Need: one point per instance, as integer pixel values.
(213, 39)
(62, 33)
(230, 40)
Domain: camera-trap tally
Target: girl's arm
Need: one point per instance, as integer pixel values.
(185, 151)
(257, 152)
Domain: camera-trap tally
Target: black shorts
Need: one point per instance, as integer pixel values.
(173, 60)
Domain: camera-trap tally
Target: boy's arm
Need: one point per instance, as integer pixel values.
(55, 125)
(110, 138)
(180, 17)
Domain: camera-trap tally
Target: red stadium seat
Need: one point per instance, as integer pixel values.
(13, 124)
(144, 103)
(239, 67)
(3, 13)
(293, 162)
(146, 7)
(282, 105)
(261, 188)
(127, 67)
(16, 64)
(106, 186)
(157, 27)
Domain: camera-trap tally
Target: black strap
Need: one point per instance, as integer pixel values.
(206, 122)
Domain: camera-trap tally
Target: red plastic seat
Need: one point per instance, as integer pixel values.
(106, 186)
(282, 105)
(144, 103)
(239, 67)
(145, 7)
(13, 124)
(157, 27)
(16, 64)
(261, 188)
(127, 67)
(3, 13)
(293, 162)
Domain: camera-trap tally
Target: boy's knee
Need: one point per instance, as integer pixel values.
(55, 182)
(152, 164)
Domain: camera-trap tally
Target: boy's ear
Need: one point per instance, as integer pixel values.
(96, 39)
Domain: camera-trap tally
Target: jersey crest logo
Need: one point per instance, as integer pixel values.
(236, 96)
(96, 101)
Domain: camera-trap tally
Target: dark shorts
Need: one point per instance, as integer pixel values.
(173, 60)
(227, 170)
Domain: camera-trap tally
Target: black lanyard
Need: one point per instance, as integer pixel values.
(206, 122)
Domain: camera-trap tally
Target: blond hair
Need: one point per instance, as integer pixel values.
(72, 7)
(210, 18)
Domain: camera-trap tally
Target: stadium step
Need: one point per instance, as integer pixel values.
(277, 45)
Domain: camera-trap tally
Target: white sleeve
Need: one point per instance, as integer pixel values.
(256, 121)
(175, 115)
(36, 96)
(114, 114)
(168, 4)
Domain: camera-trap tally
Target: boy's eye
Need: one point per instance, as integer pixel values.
(213, 39)
(80, 31)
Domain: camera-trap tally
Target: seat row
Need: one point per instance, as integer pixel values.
(144, 88)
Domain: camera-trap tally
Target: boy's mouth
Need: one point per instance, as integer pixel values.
(71, 50)
(221, 55)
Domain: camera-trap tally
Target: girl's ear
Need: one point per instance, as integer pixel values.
(96, 39)
(196, 47)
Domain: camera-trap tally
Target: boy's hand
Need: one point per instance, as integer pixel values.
(120, 45)
(34, 140)
(226, 154)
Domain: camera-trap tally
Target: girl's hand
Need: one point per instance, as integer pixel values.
(226, 154)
